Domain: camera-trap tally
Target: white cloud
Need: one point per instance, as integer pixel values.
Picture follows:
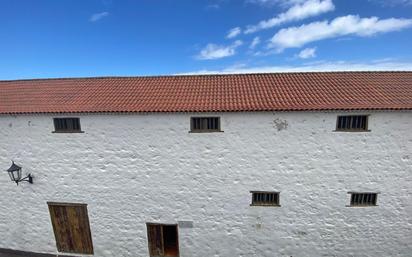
(377, 65)
(401, 2)
(297, 12)
(340, 26)
(98, 16)
(307, 53)
(213, 7)
(269, 3)
(254, 43)
(233, 32)
(213, 51)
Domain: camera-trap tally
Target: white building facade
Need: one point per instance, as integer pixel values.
(135, 169)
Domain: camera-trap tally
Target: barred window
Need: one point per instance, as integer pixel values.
(352, 123)
(67, 125)
(260, 198)
(363, 199)
(205, 124)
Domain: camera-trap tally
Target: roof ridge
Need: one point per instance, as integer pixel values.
(196, 75)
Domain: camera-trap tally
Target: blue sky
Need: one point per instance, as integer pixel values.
(69, 38)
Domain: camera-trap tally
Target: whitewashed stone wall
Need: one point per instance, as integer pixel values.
(133, 169)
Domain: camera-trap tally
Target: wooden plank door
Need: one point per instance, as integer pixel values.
(71, 227)
(155, 240)
(163, 240)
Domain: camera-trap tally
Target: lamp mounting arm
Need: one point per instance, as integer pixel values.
(28, 178)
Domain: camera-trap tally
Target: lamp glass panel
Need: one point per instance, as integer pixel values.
(18, 174)
(15, 175)
(11, 176)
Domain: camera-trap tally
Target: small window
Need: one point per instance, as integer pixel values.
(163, 240)
(265, 198)
(68, 125)
(363, 199)
(352, 123)
(205, 124)
(71, 227)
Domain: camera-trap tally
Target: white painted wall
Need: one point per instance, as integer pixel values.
(133, 169)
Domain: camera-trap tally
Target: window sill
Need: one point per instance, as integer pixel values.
(265, 205)
(66, 204)
(206, 131)
(69, 131)
(361, 206)
(351, 130)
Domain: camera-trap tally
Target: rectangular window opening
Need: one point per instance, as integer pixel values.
(162, 240)
(352, 123)
(67, 125)
(205, 124)
(265, 198)
(71, 227)
(363, 199)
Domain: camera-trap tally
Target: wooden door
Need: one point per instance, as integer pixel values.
(155, 240)
(71, 227)
(162, 240)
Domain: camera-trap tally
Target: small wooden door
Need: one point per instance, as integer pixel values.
(163, 240)
(71, 227)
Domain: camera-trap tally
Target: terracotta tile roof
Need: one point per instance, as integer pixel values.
(208, 93)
